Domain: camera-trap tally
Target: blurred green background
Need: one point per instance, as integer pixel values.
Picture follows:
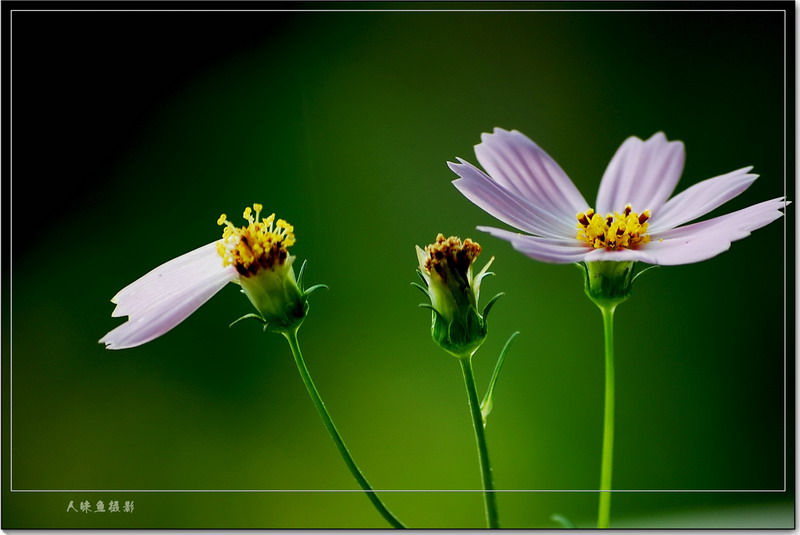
(149, 125)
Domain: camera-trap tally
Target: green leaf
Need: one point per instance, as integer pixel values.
(564, 521)
(487, 404)
(421, 276)
(249, 316)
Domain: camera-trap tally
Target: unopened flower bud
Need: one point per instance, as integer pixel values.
(446, 268)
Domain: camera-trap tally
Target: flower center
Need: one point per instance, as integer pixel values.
(259, 245)
(624, 230)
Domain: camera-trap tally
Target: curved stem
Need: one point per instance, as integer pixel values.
(489, 496)
(291, 336)
(604, 508)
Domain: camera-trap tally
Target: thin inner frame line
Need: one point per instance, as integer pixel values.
(178, 491)
(11, 234)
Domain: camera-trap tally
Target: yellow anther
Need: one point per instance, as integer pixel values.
(618, 231)
(258, 245)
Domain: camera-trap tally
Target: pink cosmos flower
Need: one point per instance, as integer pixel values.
(254, 256)
(633, 218)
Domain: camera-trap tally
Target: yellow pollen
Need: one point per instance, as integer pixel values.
(625, 230)
(258, 245)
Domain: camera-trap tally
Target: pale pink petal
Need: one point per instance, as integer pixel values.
(526, 189)
(641, 173)
(166, 296)
(520, 166)
(747, 220)
(700, 199)
(621, 255)
(704, 240)
(509, 208)
(556, 251)
(689, 250)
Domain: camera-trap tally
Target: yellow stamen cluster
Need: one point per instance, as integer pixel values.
(624, 230)
(450, 254)
(260, 244)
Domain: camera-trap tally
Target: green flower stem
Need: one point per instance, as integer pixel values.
(604, 508)
(489, 495)
(291, 336)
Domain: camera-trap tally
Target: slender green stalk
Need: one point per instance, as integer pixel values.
(489, 495)
(604, 508)
(291, 336)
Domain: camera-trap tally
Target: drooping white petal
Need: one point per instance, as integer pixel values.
(147, 291)
(556, 251)
(166, 296)
(642, 173)
(520, 166)
(700, 199)
(509, 208)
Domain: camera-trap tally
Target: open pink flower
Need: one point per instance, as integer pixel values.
(633, 217)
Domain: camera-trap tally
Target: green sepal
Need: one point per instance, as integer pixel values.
(314, 288)
(301, 273)
(488, 404)
(279, 297)
(563, 521)
(460, 337)
(440, 330)
(249, 316)
(457, 333)
(608, 283)
(421, 276)
(490, 304)
(482, 276)
(645, 270)
(284, 329)
(421, 287)
(272, 328)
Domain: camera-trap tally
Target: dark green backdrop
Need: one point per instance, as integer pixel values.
(132, 132)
